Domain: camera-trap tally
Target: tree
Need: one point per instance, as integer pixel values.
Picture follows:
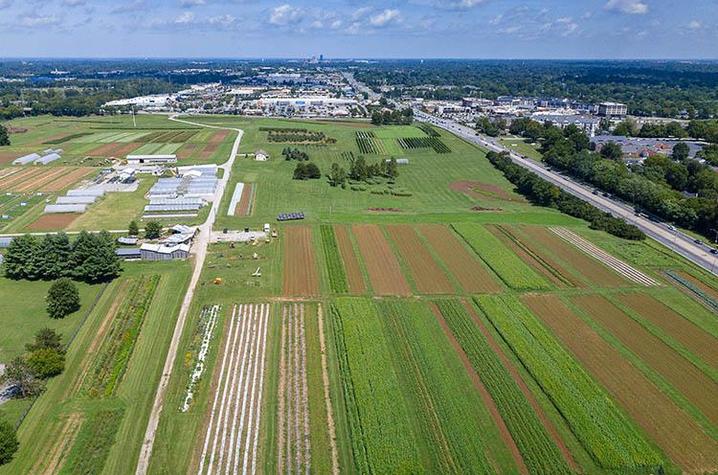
(4, 136)
(337, 175)
(18, 373)
(680, 151)
(133, 228)
(46, 362)
(21, 258)
(8, 442)
(63, 298)
(392, 170)
(612, 151)
(46, 338)
(153, 230)
(53, 256)
(358, 170)
(94, 259)
(627, 128)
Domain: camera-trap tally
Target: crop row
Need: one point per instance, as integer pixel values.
(450, 410)
(335, 267)
(410, 143)
(172, 136)
(428, 130)
(379, 421)
(537, 449)
(603, 430)
(120, 341)
(507, 265)
(368, 143)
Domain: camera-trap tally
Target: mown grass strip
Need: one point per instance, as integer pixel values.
(507, 265)
(93, 443)
(381, 435)
(604, 431)
(335, 267)
(537, 449)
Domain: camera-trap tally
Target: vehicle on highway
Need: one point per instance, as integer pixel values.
(698, 241)
(714, 251)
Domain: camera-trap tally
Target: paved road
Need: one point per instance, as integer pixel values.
(199, 249)
(661, 232)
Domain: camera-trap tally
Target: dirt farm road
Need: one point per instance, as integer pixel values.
(199, 250)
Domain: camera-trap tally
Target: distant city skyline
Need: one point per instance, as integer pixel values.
(600, 29)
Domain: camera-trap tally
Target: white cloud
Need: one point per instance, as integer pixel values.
(467, 3)
(384, 18)
(185, 18)
(32, 21)
(631, 7)
(285, 15)
(222, 20)
(695, 25)
(74, 3)
(192, 3)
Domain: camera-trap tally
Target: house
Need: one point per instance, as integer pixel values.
(261, 156)
(161, 252)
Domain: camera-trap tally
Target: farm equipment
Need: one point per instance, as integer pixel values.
(258, 272)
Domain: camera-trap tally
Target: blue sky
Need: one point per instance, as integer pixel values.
(342, 28)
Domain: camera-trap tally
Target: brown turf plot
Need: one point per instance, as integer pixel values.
(429, 277)
(48, 175)
(468, 270)
(187, 150)
(479, 190)
(6, 157)
(677, 434)
(53, 222)
(67, 180)
(541, 260)
(213, 143)
(355, 279)
(381, 263)
(300, 268)
(244, 207)
(592, 270)
(685, 332)
(699, 389)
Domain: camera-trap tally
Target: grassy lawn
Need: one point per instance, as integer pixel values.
(519, 145)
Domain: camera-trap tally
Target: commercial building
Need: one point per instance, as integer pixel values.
(588, 124)
(612, 109)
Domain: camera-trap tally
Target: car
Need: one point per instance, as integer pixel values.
(698, 241)
(671, 227)
(595, 192)
(714, 251)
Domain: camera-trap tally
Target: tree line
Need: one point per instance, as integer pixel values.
(679, 189)
(395, 117)
(89, 258)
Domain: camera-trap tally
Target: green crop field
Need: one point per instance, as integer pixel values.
(413, 373)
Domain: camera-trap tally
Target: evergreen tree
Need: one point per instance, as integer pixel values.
(8, 442)
(63, 298)
(153, 230)
(54, 256)
(392, 170)
(21, 258)
(46, 338)
(46, 362)
(133, 229)
(358, 170)
(4, 136)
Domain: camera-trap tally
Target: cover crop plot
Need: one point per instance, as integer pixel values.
(335, 268)
(355, 279)
(507, 265)
(231, 439)
(539, 451)
(382, 438)
(671, 428)
(601, 427)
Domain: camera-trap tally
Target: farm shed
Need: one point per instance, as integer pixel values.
(183, 229)
(25, 159)
(160, 252)
(128, 253)
(78, 200)
(51, 157)
(151, 159)
(400, 161)
(261, 156)
(65, 208)
(178, 239)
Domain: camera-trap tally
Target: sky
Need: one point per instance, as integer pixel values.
(512, 29)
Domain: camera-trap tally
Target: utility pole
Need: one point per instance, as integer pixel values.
(134, 120)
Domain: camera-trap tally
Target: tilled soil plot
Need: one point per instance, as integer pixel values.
(673, 430)
(301, 278)
(426, 272)
(355, 279)
(381, 263)
(68, 180)
(696, 386)
(53, 222)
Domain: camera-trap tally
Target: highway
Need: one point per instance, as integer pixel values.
(661, 232)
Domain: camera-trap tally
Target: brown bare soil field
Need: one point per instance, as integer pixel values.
(590, 268)
(6, 157)
(355, 279)
(381, 263)
(428, 275)
(300, 268)
(703, 344)
(9, 171)
(53, 222)
(671, 428)
(471, 274)
(105, 150)
(479, 190)
(539, 259)
(696, 386)
(17, 179)
(70, 179)
(483, 392)
(213, 144)
(545, 421)
(244, 207)
(126, 149)
(37, 182)
(187, 150)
